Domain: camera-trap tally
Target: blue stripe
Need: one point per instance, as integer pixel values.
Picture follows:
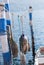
(7, 58)
(2, 25)
(7, 7)
(30, 16)
(8, 22)
(3, 33)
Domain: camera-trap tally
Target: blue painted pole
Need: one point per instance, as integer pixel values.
(7, 12)
(3, 36)
(32, 36)
(8, 28)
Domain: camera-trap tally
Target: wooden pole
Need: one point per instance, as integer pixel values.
(32, 36)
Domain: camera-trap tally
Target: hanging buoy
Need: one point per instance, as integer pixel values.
(24, 44)
(23, 41)
(13, 45)
(14, 48)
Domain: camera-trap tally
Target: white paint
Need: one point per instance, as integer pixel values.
(41, 60)
(25, 37)
(4, 42)
(36, 61)
(7, 15)
(2, 12)
(0, 46)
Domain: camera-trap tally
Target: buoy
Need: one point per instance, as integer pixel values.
(23, 40)
(14, 47)
(13, 44)
(24, 44)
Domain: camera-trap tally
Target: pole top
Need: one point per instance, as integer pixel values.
(30, 7)
(2, 4)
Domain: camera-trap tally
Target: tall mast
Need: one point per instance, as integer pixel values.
(32, 36)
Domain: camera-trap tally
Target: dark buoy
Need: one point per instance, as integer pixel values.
(14, 47)
(24, 44)
(23, 40)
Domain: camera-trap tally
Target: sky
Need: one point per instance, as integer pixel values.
(23, 5)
